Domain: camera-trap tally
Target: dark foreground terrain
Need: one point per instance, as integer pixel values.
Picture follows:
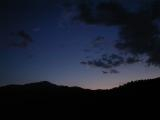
(42, 93)
(45, 100)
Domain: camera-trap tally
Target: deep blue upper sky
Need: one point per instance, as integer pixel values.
(57, 48)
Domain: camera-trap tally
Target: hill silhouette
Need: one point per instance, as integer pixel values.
(48, 93)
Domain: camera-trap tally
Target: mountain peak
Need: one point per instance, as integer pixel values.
(41, 84)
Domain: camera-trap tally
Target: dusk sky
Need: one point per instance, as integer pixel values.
(54, 44)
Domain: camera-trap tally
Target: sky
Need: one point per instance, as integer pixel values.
(54, 45)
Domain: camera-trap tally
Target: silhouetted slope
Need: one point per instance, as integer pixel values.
(150, 87)
(47, 93)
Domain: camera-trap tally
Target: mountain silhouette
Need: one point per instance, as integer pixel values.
(47, 93)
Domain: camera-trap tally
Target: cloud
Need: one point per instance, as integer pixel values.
(97, 42)
(105, 62)
(105, 13)
(96, 63)
(21, 39)
(104, 72)
(132, 60)
(83, 62)
(113, 71)
(139, 32)
(111, 62)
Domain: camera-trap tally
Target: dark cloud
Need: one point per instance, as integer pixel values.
(115, 60)
(110, 13)
(132, 60)
(114, 71)
(97, 42)
(104, 72)
(106, 62)
(21, 39)
(139, 32)
(96, 63)
(85, 13)
(111, 62)
(25, 36)
(87, 57)
(96, 45)
(83, 62)
(105, 13)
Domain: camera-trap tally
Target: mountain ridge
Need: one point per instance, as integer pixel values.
(47, 93)
(47, 84)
